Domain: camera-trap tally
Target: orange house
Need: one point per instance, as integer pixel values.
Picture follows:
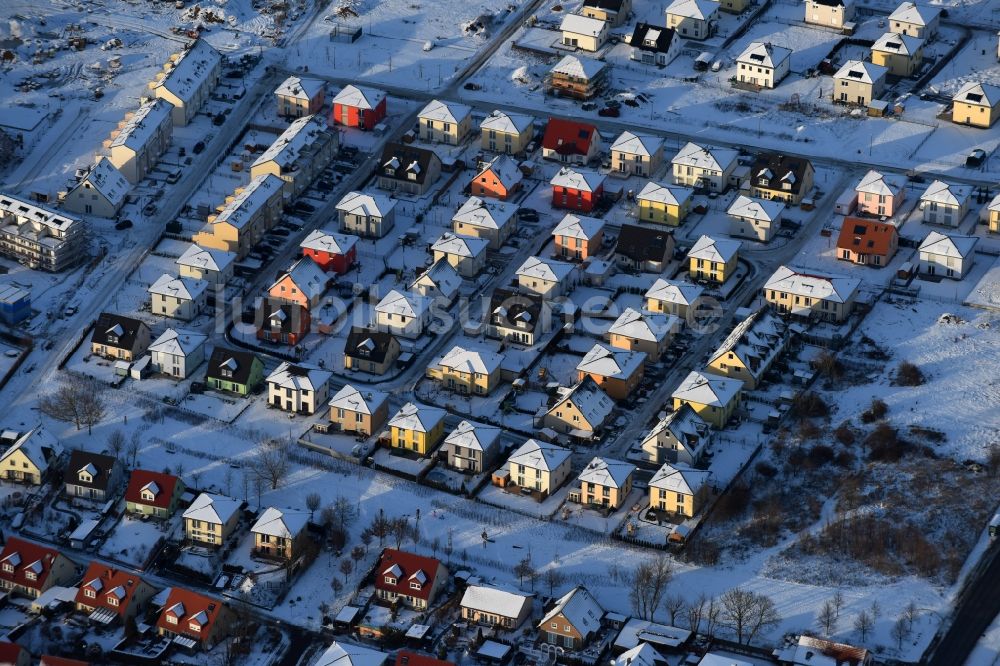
(578, 236)
(499, 179)
(303, 284)
(867, 242)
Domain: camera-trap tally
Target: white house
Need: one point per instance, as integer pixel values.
(583, 32)
(467, 254)
(212, 266)
(402, 313)
(493, 220)
(915, 20)
(693, 19)
(947, 255)
(439, 282)
(944, 203)
(298, 388)
(763, 64)
(756, 219)
(178, 297)
(445, 122)
(680, 437)
(705, 168)
(177, 353)
(653, 44)
(546, 277)
(100, 192)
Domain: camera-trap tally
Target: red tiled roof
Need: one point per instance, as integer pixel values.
(866, 236)
(9, 652)
(106, 583)
(568, 137)
(24, 556)
(186, 606)
(141, 478)
(407, 658)
(48, 660)
(406, 568)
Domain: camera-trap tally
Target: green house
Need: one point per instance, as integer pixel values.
(234, 371)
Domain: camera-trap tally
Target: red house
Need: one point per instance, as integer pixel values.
(282, 323)
(30, 569)
(413, 580)
(499, 178)
(577, 189)
(408, 658)
(331, 251)
(108, 593)
(358, 106)
(571, 142)
(867, 242)
(188, 614)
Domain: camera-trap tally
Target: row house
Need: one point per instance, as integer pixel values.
(135, 147)
(187, 80)
(245, 216)
(298, 155)
(750, 350)
(813, 294)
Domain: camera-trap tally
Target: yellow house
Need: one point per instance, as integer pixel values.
(606, 483)
(647, 332)
(580, 410)
(134, 148)
(418, 429)
(469, 371)
(713, 398)
(679, 491)
(750, 349)
(901, 54)
(994, 215)
(29, 458)
(664, 204)
(713, 259)
(504, 132)
(976, 104)
(247, 214)
(673, 297)
(613, 12)
(187, 80)
(298, 97)
(211, 519)
(813, 294)
(636, 155)
(444, 122)
(298, 156)
(466, 254)
(280, 533)
(538, 467)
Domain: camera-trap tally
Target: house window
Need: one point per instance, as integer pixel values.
(89, 593)
(112, 600)
(389, 580)
(171, 619)
(414, 585)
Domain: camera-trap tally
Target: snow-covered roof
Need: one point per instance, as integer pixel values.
(696, 9)
(980, 94)
(479, 361)
(283, 523)
(142, 125)
(350, 655)
(679, 479)
(214, 509)
(460, 246)
(909, 12)
(752, 208)
(754, 341)
(355, 400)
(583, 180)
(594, 404)
(507, 123)
(307, 276)
(892, 42)
(403, 303)
(108, 181)
(505, 169)
(685, 426)
(442, 276)
(550, 270)
(861, 71)
(540, 455)
(206, 259)
(38, 446)
(360, 97)
(299, 377)
(637, 632)
(448, 112)
(368, 205)
(178, 343)
(674, 291)
(300, 88)
(812, 651)
(607, 472)
(763, 54)
(875, 182)
(649, 326)
(473, 436)
(417, 419)
(607, 361)
(672, 195)
(578, 67)
(718, 250)
(294, 143)
(643, 654)
(184, 288)
(834, 288)
(708, 389)
(578, 226)
(580, 609)
(245, 204)
(494, 600)
(189, 69)
(488, 214)
(947, 194)
(712, 159)
(582, 25)
(323, 240)
(637, 144)
(949, 245)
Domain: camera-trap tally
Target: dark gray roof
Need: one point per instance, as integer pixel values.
(103, 466)
(240, 364)
(399, 159)
(126, 332)
(368, 344)
(662, 41)
(643, 243)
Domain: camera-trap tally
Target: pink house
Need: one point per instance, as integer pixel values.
(879, 194)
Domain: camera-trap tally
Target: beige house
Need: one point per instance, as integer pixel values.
(614, 12)
(472, 447)
(178, 297)
(495, 607)
(366, 215)
(763, 65)
(811, 294)
(445, 122)
(829, 13)
(247, 214)
(298, 155)
(583, 32)
(466, 254)
(210, 265)
(546, 277)
(280, 534)
(187, 80)
(573, 621)
(100, 192)
(674, 297)
(945, 203)
(300, 389)
(693, 19)
(993, 211)
(39, 237)
(679, 491)
(440, 282)
(636, 155)
(134, 148)
(211, 519)
(538, 467)
(403, 313)
(120, 338)
(297, 97)
(920, 21)
(756, 219)
(704, 168)
(467, 371)
(859, 82)
(363, 412)
(606, 483)
(647, 332)
(976, 104)
(486, 219)
(503, 132)
(579, 411)
(902, 55)
(30, 457)
(680, 437)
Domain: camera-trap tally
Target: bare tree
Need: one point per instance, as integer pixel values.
(357, 554)
(863, 624)
(649, 584)
(911, 613)
(78, 402)
(435, 545)
(748, 613)
(713, 616)
(346, 568)
(380, 527)
(553, 578)
(337, 586)
(313, 500)
(876, 610)
(116, 442)
(400, 530)
(272, 462)
(366, 538)
(900, 631)
(838, 602)
(827, 618)
(695, 613)
(524, 569)
(674, 604)
(133, 447)
(343, 513)
(763, 616)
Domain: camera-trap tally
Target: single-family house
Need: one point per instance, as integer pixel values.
(538, 467)
(750, 349)
(570, 141)
(408, 169)
(234, 371)
(646, 332)
(813, 651)
(643, 249)
(188, 79)
(119, 338)
(493, 221)
(416, 428)
(247, 214)
(298, 155)
(829, 13)
(617, 372)
(653, 44)
(577, 237)
(299, 96)
(92, 476)
(713, 397)
(298, 388)
(788, 179)
(574, 621)
(902, 55)
(583, 32)
(108, 594)
(812, 294)
(153, 494)
(211, 519)
(663, 204)
(371, 351)
(332, 252)
(680, 437)
(993, 215)
(303, 284)
(945, 203)
(614, 12)
(210, 265)
(472, 447)
(580, 410)
(947, 255)
(354, 410)
(920, 21)
(509, 133)
(280, 533)
(366, 215)
(500, 178)
(468, 371)
(445, 122)
(674, 297)
(867, 242)
(177, 353)
(756, 219)
(178, 297)
(518, 317)
(403, 313)
(577, 189)
(136, 145)
(281, 322)
(348, 654)
(976, 104)
(763, 65)
(880, 194)
(679, 490)
(606, 483)
(466, 254)
(577, 77)
(636, 155)
(495, 607)
(30, 457)
(704, 168)
(195, 617)
(408, 579)
(546, 277)
(693, 19)
(859, 82)
(101, 191)
(29, 569)
(713, 259)
(358, 106)
(440, 282)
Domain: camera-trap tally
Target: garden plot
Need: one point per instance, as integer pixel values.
(589, 518)
(132, 540)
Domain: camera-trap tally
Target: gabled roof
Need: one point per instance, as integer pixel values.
(582, 25)
(643, 654)
(708, 389)
(611, 362)
(300, 377)
(448, 112)
(949, 245)
(178, 343)
(184, 288)
(442, 276)
(460, 246)
(874, 182)
(835, 288)
(607, 472)
(892, 42)
(812, 651)
(238, 363)
(277, 315)
(715, 249)
(403, 303)
(644, 145)
(504, 169)
(248, 200)
(696, 9)
(516, 310)
(679, 479)
(487, 214)
(507, 123)
(348, 654)
(307, 277)
(300, 88)
(323, 240)
(359, 97)
(947, 193)
(672, 195)
(367, 205)
(188, 607)
(189, 69)
(754, 341)
(353, 400)
(583, 180)
(909, 12)
(283, 523)
(712, 159)
(578, 226)
(685, 426)
(580, 609)
(108, 181)
(97, 465)
(473, 361)
(569, 137)
(980, 94)
(206, 259)
(648, 326)
(777, 171)
(38, 446)
(594, 404)
(579, 67)
(752, 208)
(641, 243)
(162, 486)
(494, 600)
(861, 71)
(25, 556)
(867, 236)
(473, 436)
(125, 329)
(406, 568)
(107, 582)
(403, 160)
(417, 418)
(142, 125)
(653, 38)
(368, 344)
(540, 456)
(214, 509)
(674, 291)
(610, 6)
(294, 143)
(763, 54)
(550, 270)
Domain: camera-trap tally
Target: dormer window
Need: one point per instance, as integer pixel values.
(226, 372)
(8, 567)
(112, 339)
(389, 580)
(414, 585)
(112, 600)
(171, 619)
(30, 575)
(194, 626)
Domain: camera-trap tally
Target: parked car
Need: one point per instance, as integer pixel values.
(123, 225)
(304, 207)
(198, 147)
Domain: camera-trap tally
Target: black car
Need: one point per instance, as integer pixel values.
(304, 207)
(150, 209)
(123, 225)
(527, 214)
(219, 119)
(280, 232)
(198, 147)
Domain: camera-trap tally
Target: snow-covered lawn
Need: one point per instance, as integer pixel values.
(132, 540)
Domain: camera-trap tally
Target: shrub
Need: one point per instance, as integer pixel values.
(808, 430)
(884, 444)
(876, 411)
(844, 434)
(829, 366)
(908, 374)
(796, 457)
(766, 469)
(820, 455)
(845, 459)
(810, 405)
(174, 227)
